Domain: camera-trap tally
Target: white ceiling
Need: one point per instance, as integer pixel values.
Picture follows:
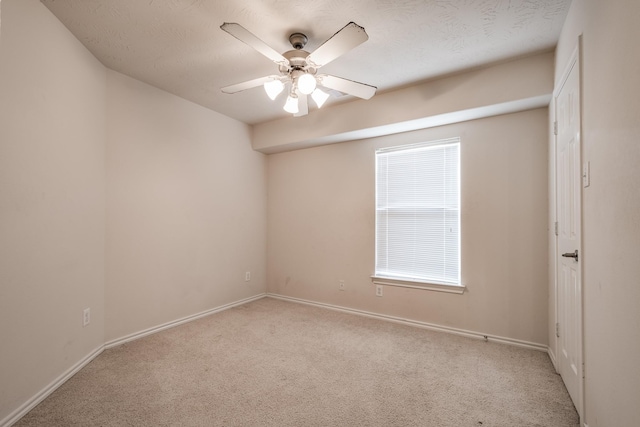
(177, 45)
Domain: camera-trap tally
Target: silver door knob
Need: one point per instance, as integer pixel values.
(573, 255)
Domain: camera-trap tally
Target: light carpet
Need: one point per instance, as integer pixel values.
(277, 363)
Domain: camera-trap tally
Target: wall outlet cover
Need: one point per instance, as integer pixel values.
(86, 317)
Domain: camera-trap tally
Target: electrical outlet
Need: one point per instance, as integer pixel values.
(341, 285)
(86, 317)
(378, 290)
(247, 276)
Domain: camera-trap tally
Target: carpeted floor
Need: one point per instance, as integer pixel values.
(277, 363)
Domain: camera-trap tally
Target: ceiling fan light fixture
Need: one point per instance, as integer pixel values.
(273, 88)
(319, 97)
(306, 83)
(291, 106)
(298, 68)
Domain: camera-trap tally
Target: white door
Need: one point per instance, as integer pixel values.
(569, 262)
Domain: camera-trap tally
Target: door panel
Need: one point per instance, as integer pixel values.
(568, 191)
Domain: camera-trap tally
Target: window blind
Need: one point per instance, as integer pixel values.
(418, 212)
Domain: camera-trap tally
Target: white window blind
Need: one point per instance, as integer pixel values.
(418, 212)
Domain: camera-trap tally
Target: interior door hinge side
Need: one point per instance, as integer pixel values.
(555, 128)
(555, 228)
(558, 330)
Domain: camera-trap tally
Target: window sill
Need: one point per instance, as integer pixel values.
(438, 287)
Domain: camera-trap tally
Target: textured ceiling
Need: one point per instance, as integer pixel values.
(177, 45)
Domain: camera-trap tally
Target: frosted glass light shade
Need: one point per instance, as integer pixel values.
(273, 88)
(306, 83)
(319, 97)
(291, 106)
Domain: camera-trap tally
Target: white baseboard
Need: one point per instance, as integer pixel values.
(40, 396)
(13, 417)
(425, 325)
(173, 323)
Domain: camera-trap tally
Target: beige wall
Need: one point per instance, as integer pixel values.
(611, 205)
(510, 86)
(321, 228)
(186, 209)
(83, 152)
(179, 200)
(52, 201)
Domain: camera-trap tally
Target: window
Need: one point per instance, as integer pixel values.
(418, 216)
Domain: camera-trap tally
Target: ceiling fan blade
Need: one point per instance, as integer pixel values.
(350, 36)
(247, 37)
(303, 105)
(350, 87)
(239, 87)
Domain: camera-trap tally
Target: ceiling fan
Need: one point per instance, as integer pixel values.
(298, 69)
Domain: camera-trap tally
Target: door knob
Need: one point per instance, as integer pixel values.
(573, 255)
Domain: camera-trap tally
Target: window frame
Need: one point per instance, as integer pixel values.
(409, 282)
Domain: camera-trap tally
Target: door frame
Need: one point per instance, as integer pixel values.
(575, 61)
